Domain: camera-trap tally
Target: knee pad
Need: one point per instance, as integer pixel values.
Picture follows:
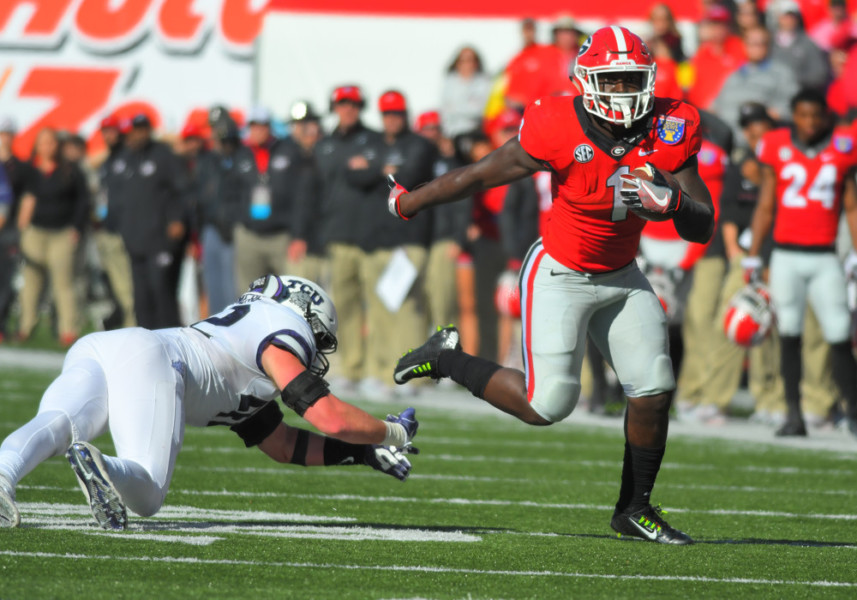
(657, 379)
(556, 398)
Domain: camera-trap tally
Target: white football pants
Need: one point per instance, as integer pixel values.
(123, 380)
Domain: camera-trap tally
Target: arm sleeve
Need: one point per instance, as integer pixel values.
(259, 425)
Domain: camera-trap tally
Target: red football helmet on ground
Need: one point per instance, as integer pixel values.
(507, 296)
(615, 50)
(750, 316)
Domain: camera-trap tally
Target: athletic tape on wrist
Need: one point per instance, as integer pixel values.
(396, 435)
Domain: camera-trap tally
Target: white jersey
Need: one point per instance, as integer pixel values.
(222, 358)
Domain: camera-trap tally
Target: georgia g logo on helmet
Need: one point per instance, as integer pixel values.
(616, 52)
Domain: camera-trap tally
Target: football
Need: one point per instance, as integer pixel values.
(647, 173)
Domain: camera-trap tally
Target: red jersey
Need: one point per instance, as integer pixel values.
(590, 229)
(809, 186)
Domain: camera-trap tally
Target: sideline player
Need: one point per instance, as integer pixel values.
(807, 180)
(582, 276)
(226, 370)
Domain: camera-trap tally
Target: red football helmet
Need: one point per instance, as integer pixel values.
(750, 316)
(507, 296)
(612, 50)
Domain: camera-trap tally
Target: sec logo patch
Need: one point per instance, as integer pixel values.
(584, 153)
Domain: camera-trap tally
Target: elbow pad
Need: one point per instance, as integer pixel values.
(303, 391)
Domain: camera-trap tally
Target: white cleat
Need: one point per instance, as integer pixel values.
(9, 515)
(104, 501)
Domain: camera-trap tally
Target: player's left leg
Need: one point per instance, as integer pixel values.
(73, 406)
(633, 337)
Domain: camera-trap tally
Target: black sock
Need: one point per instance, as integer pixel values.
(470, 371)
(790, 368)
(639, 471)
(845, 375)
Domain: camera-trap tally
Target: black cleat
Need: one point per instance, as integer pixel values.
(422, 361)
(648, 524)
(792, 427)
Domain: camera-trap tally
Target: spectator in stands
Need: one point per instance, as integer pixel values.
(263, 233)
(566, 37)
(153, 222)
(341, 159)
(748, 16)
(837, 91)
(833, 30)
(449, 228)
(464, 93)
(665, 31)
(720, 52)
(53, 222)
(761, 79)
(666, 76)
(108, 241)
(410, 159)
(793, 47)
(306, 252)
(225, 181)
(540, 69)
(17, 174)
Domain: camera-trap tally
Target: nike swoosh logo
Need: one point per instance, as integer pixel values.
(647, 152)
(663, 202)
(555, 274)
(652, 535)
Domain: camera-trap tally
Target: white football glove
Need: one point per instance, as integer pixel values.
(396, 192)
(391, 460)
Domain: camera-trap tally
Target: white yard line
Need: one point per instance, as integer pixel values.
(429, 569)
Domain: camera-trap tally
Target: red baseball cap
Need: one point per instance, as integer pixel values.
(508, 119)
(427, 119)
(347, 93)
(717, 14)
(392, 101)
(110, 122)
(193, 130)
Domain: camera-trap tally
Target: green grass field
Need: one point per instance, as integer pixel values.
(493, 509)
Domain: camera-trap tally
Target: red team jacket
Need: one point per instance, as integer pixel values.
(589, 228)
(809, 188)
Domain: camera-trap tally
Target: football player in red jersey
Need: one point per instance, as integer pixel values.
(807, 180)
(582, 276)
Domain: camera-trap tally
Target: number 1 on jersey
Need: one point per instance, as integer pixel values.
(620, 210)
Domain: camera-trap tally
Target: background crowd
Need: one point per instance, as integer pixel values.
(235, 201)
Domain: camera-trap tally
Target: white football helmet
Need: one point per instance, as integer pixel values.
(750, 316)
(311, 302)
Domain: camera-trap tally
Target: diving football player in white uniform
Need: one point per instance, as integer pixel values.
(229, 369)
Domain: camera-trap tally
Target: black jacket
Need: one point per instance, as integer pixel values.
(414, 158)
(109, 204)
(346, 195)
(284, 179)
(519, 219)
(19, 175)
(222, 188)
(450, 221)
(62, 197)
(153, 191)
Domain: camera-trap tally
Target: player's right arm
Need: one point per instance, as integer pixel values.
(309, 397)
(507, 163)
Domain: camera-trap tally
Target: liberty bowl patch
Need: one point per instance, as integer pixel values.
(670, 129)
(843, 144)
